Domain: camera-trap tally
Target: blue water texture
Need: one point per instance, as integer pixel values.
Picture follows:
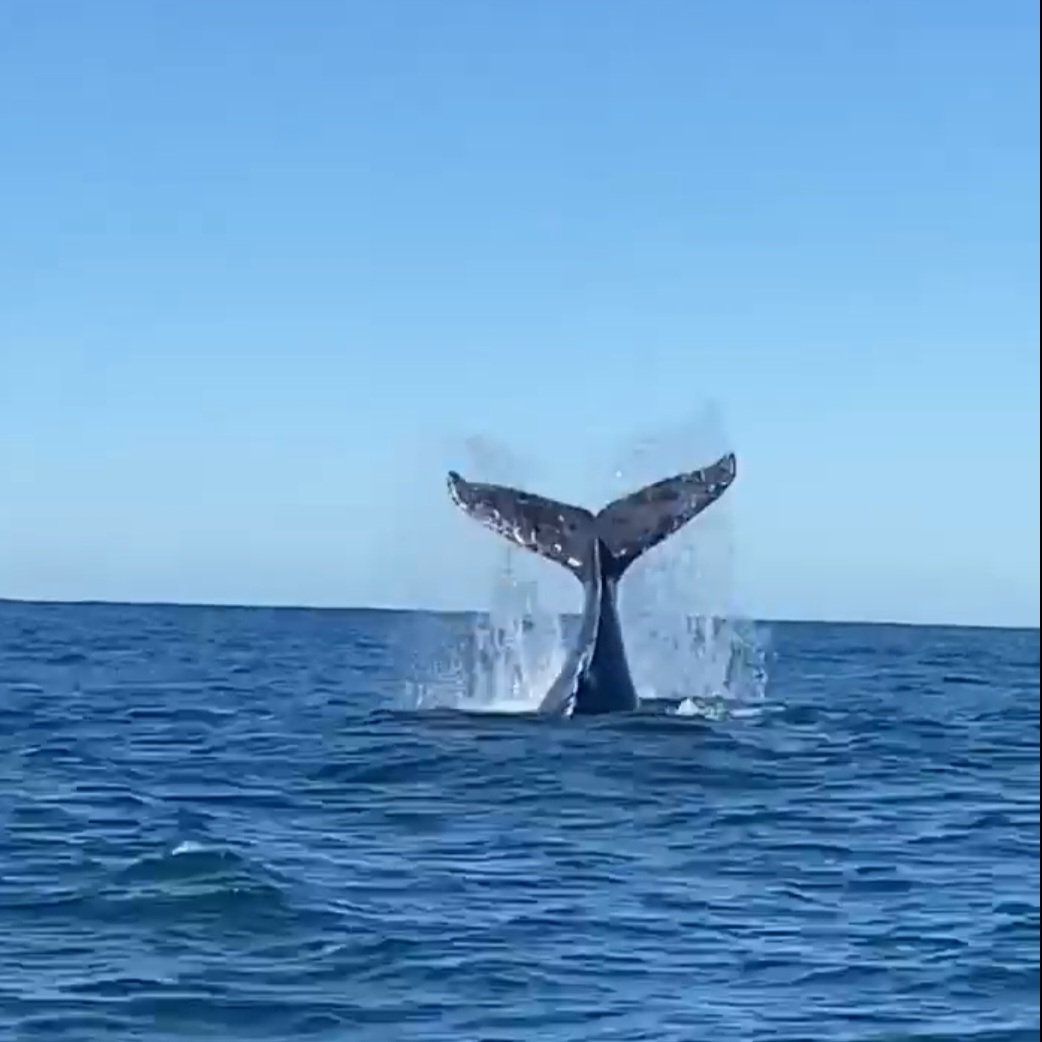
(236, 823)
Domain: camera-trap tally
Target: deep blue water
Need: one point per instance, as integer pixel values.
(215, 825)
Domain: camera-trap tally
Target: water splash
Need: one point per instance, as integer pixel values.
(517, 649)
(685, 639)
(688, 647)
(505, 659)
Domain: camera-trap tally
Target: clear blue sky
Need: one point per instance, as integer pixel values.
(264, 267)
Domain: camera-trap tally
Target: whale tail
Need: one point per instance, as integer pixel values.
(568, 535)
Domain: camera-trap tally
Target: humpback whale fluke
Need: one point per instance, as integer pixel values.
(597, 549)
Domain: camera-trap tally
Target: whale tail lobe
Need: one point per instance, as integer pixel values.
(632, 525)
(571, 535)
(557, 531)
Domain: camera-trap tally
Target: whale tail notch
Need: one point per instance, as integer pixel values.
(569, 535)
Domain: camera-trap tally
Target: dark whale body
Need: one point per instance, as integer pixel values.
(597, 549)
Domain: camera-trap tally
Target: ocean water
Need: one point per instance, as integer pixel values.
(237, 824)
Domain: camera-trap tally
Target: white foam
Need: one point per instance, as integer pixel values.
(189, 846)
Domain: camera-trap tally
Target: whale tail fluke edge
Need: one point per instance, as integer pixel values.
(568, 535)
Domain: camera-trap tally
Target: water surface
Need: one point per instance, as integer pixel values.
(222, 824)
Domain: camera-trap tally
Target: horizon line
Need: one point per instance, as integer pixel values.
(414, 609)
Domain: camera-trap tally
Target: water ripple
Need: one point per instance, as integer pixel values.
(216, 824)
